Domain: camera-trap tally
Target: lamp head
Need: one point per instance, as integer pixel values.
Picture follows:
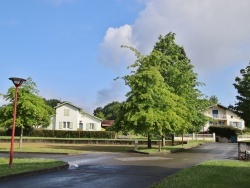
(17, 81)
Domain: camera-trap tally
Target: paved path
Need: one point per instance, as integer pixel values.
(121, 170)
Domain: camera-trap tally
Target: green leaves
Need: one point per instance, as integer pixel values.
(31, 108)
(163, 96)
(242, 85)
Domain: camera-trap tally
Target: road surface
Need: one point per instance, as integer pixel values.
(120, 170)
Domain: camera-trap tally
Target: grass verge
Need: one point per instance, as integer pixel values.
(65, 148)
(169, 149)
(27, 165)
(217, 173)
(82, 148)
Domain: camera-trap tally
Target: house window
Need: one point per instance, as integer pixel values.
(210, 122)
(66, 112)
(90, 126)
(81, 126)
(215, 113)
(232, 117)
(66, 125)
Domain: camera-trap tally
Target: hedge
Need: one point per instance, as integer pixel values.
(224, 131)
(65, 134)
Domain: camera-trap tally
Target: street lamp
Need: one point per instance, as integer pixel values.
(17, 82)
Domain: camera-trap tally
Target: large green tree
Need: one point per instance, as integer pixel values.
(242, 106)
(177, 84)
(151, 107)
(178, 74)
(31, 108)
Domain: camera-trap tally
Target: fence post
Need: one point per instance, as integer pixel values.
(159, 146)
(193, 137)
(136, 144)
(214, 137)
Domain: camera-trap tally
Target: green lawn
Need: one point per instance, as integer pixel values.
(26, 165)
(211, 174)
(82, 148)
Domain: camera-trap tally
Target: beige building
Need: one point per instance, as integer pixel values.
(222, 116)
(71, 117)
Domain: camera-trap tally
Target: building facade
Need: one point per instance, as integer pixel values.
(71, 117)
(222, 116)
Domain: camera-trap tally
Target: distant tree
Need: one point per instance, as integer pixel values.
(52, 102)
(109, 111)
(31, 108)
(213, 99)
(242, 85)
(98, 112)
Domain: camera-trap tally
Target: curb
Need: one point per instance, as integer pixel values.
(34, 172)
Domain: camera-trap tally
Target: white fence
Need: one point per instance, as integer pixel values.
(196, 137)
(243, 137)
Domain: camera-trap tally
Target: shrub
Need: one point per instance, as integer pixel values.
(71, 134)
(224, 131)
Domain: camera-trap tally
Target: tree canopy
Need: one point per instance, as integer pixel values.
(109, 111)
(31, 108)
(176, 83)
(242, 85)
(151, 108)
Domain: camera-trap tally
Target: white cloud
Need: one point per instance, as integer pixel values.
(214, 33)
(2, 101)
(111, 53)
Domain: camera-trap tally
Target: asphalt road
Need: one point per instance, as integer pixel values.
(120, 170)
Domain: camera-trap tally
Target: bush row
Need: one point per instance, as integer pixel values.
(224, 131)
(65, 134)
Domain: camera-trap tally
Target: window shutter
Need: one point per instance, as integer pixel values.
(87, 126)
(60, 125)
(95, 126)
(240, 125)
(231, 123)
(71, 125)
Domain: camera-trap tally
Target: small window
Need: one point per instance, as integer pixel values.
(210, 123)
(66, 112)
(92, 126)
(67, 125)
(232, 117)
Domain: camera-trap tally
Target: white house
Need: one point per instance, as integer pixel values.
(71, 117)
(222, 116)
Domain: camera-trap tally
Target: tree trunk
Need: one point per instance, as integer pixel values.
(172, 136)
(163, 139)
(21, 138)
(182, 139)
(149, 141)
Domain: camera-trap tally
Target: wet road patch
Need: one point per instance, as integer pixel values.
(142, 158)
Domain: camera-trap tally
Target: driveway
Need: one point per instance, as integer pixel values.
(120, 170)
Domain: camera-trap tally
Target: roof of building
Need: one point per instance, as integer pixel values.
(80, 109)
(107, 123)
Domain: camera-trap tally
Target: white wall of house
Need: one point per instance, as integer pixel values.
(225, 117)
(70, 117)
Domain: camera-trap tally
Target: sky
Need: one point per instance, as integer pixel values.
(72, 48)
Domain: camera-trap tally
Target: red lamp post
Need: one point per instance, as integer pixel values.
(17, 82)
